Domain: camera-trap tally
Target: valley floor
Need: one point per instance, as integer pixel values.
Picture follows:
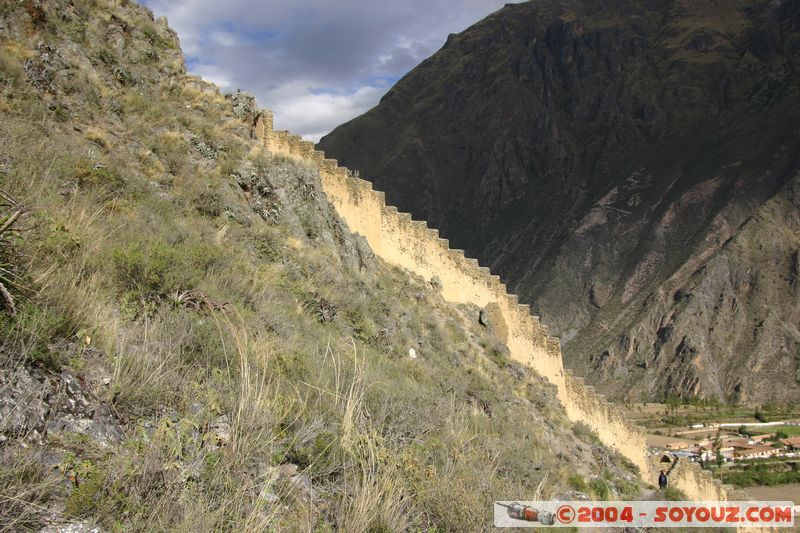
(756, 451)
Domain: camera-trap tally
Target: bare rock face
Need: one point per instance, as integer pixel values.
(34, 403)
(629, 168)
(23, 411)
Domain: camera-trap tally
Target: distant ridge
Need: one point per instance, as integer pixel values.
(630, 169)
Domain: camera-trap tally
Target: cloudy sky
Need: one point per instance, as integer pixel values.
(315, 63)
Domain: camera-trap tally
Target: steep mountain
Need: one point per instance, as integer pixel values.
(630, 169)
(191, 338)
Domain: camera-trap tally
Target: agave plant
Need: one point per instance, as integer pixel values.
(10, 212)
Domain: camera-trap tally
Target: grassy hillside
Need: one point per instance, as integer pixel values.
(192, 340)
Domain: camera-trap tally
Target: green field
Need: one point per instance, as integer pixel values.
(754, 474)
(792, 431)
(681, 416)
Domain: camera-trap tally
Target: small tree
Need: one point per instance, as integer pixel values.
(717, 447)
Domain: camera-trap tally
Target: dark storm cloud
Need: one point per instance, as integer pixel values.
(316, 63)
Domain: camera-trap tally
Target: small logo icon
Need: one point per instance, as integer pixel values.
(517, 511)
(565, 514)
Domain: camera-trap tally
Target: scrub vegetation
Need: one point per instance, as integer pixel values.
(244, 356)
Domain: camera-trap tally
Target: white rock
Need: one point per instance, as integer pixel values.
(412, 353)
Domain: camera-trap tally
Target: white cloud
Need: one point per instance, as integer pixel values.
(215, 75)
(314, 115)
(315, 63)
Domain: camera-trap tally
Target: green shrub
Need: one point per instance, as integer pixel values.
(585, 433)
(358, 316)
(626, 489)
(318, 454)
(208, 203)
(90, 175)
(498, 354)
(134, 306)
(673, 494)
(106, 56)
(576, 482)
(171, 148)
(154, 268)
(267, 246)
(155, 39)
(599, 488)
(292, 366)
(85, 498)
(60, 112)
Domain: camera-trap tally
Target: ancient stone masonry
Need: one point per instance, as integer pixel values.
(410, 244)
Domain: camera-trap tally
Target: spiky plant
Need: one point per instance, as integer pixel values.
(10, 213)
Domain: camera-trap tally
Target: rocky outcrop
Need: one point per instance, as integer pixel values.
(35, 403)
(628, 168)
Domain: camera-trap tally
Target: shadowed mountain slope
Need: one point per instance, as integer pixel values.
(630, 169)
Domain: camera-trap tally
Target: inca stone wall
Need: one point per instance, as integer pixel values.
(399, 240)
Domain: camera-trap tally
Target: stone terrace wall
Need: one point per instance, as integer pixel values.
(401, 241)
(585, 405)
(698, 484)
